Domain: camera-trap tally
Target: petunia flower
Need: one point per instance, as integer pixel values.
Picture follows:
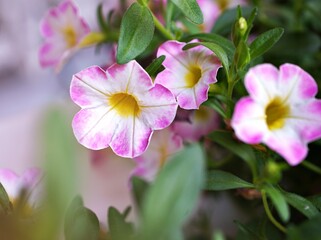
(200, 123)
(120, 108)
(281, 111)
(188, 73)
(163, 145)
(62, 29)
(22, 188)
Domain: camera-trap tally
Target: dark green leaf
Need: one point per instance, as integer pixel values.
(219, 180)
(219, 52)
(119, 229)
(316, 200)
(139, 189)
(242, 150)
(190, 9)
(309, 230)
(242, 56)
(301, 204)
(5, 204)
(174, 194)
(264, 42)
(278, 201)
(216, 105)
(224, 23)
(247, 232)
(226, 44)
(136, 32)
(100, 18)
(155, 65)
(85, 225)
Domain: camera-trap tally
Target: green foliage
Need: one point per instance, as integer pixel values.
(190, 9)
(153, 68)
(264, 42)
(139, 190)
(219, 180)
(119, 229)
(309, 230)
(5, 204)
(175, 193)
(136, 32)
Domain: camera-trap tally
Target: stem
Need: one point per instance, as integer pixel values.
(312, 167)
(162, 29)
(269, 214)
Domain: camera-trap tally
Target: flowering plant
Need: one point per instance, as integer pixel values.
(208, 100)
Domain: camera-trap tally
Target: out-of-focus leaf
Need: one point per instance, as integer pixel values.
(301, 204)
(265, 41)
(136, 32)
(219, 180)
(5, 204)
(309, 230)
(247, 233)
(76, 203)
(139, 187)
(279, 202)
(119, 229)
(172, 197)
(190, 9)
(316, 200)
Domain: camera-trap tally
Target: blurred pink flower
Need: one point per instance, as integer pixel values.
(281, 111)
(163, 145)
(188, 73)
(29, 182)
(62, 28)
(200, 123)
(120, 108)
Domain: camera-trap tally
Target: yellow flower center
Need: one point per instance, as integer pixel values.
(201, 114)
(193, 75)
(125, 104)
(70, 36)
(276, 112)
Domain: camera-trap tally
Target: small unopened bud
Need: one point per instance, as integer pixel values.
(239, 30)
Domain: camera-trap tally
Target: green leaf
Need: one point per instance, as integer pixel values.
(242, 56)
(219, 180)
(308, 230)
(242, 150)
(5, 204)
(224, 23)
(316, 200)
(265, 41)
(301, 204)
(190, 9)
(155, 65)
(139, 189)
(278, 201)
(119, 229)
(216, 105)
(172, 197)
(226, 44)
(85, 225)
(219, 52)
(247, 233)
(76, 204)
(101, 20)
(136, 32)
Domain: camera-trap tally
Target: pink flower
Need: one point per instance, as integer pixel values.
(62, 29)
(29, 182)
(200, 123)
(188, 73)
(120, 108)
(281, 111)
(163, 145)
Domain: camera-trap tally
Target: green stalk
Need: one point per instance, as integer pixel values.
(162, 29)
(311, 167)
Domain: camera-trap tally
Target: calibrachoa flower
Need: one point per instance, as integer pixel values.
(200, 123)
(120, 108)
(62, 28)
(14, 185)
(163, 145)
(281, 110)
(187, 73)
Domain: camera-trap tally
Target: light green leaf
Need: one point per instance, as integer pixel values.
(190, 9)
(119, 229)
(278, 201)
(301, 204)
(172, 197)
(265, 41)
(219, 180)
(136, 32)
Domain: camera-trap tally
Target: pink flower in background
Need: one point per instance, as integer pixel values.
(281, 111)
(200, 123)
(163, 145)
(120, 108)
(188, 73)
(29, 182)
(62, 28)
